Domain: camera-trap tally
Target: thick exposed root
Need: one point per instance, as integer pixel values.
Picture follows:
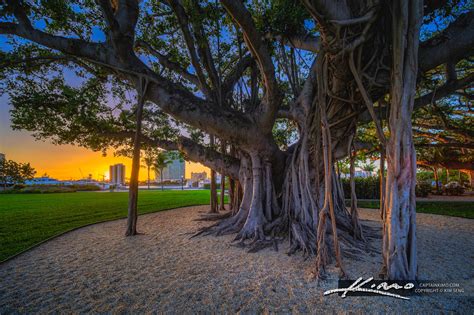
(214, 216)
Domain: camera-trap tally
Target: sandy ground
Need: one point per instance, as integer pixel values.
(97, 269)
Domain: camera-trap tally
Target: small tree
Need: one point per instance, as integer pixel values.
(151, 155)
(13, 172)
(162, 160)
(368, 167)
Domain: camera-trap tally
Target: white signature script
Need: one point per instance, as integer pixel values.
(380, 289)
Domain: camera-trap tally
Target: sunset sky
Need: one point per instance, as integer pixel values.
(61, 162)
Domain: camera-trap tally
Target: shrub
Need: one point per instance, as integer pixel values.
(422, 189)
(366, 188)
(85, 187)
(19, 186)
(49, 189)
(453, 189)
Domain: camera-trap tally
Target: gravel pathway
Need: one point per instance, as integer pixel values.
(97, 269)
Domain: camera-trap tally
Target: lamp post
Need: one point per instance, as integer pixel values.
(182, 182)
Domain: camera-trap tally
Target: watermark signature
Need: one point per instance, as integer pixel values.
(380, 289)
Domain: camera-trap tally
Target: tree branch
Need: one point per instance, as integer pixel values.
(452, 44)
(445, 90)
(304, 42)
(446, 145)
(253, 39)
(188, 38)
(167, 63)
(210, 158)
(203, 49)
(456, 165)
(236, 73)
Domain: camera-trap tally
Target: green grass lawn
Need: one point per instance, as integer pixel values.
(463, 209)
(27, 219)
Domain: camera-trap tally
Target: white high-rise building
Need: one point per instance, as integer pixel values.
(173, 171)
(117, 174)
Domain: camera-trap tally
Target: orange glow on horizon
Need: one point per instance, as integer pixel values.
(67, 162)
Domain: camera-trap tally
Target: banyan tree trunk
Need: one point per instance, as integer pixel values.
(399, 239)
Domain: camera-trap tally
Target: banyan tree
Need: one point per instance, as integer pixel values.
(237, 71)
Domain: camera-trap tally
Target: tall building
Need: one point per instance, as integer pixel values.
(2, 157)
(117, 174)
(173, 171)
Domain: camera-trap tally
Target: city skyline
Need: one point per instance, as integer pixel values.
(63, 162)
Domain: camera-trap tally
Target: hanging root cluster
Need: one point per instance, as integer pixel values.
(309, 207)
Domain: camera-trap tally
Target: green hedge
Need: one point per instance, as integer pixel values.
(369, 188)
(218, 186)
(49, 189)
(366, 188)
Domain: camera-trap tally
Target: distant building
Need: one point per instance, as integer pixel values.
(173, 171)
(117, 174)
(363, 174)
(195, 177)
(2, 157)
(43, 180)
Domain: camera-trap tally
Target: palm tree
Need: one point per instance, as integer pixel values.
(162, 160)
(149, 160)
(368, 167)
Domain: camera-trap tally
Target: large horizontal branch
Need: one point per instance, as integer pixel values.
(304, 42)
(454, 165)
(466, 133)
(72, 46)
(446, 145)
(171, 97)
(452, 44)
(443, 91)
(323, 10)
(32, 60)
(220, 162)
(227, 123)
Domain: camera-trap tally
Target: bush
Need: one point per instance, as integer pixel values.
(19, 186)
(49, 189)
(366, 188)
(85, 187)
(453, 189)
(422, 189)
(218, 186)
